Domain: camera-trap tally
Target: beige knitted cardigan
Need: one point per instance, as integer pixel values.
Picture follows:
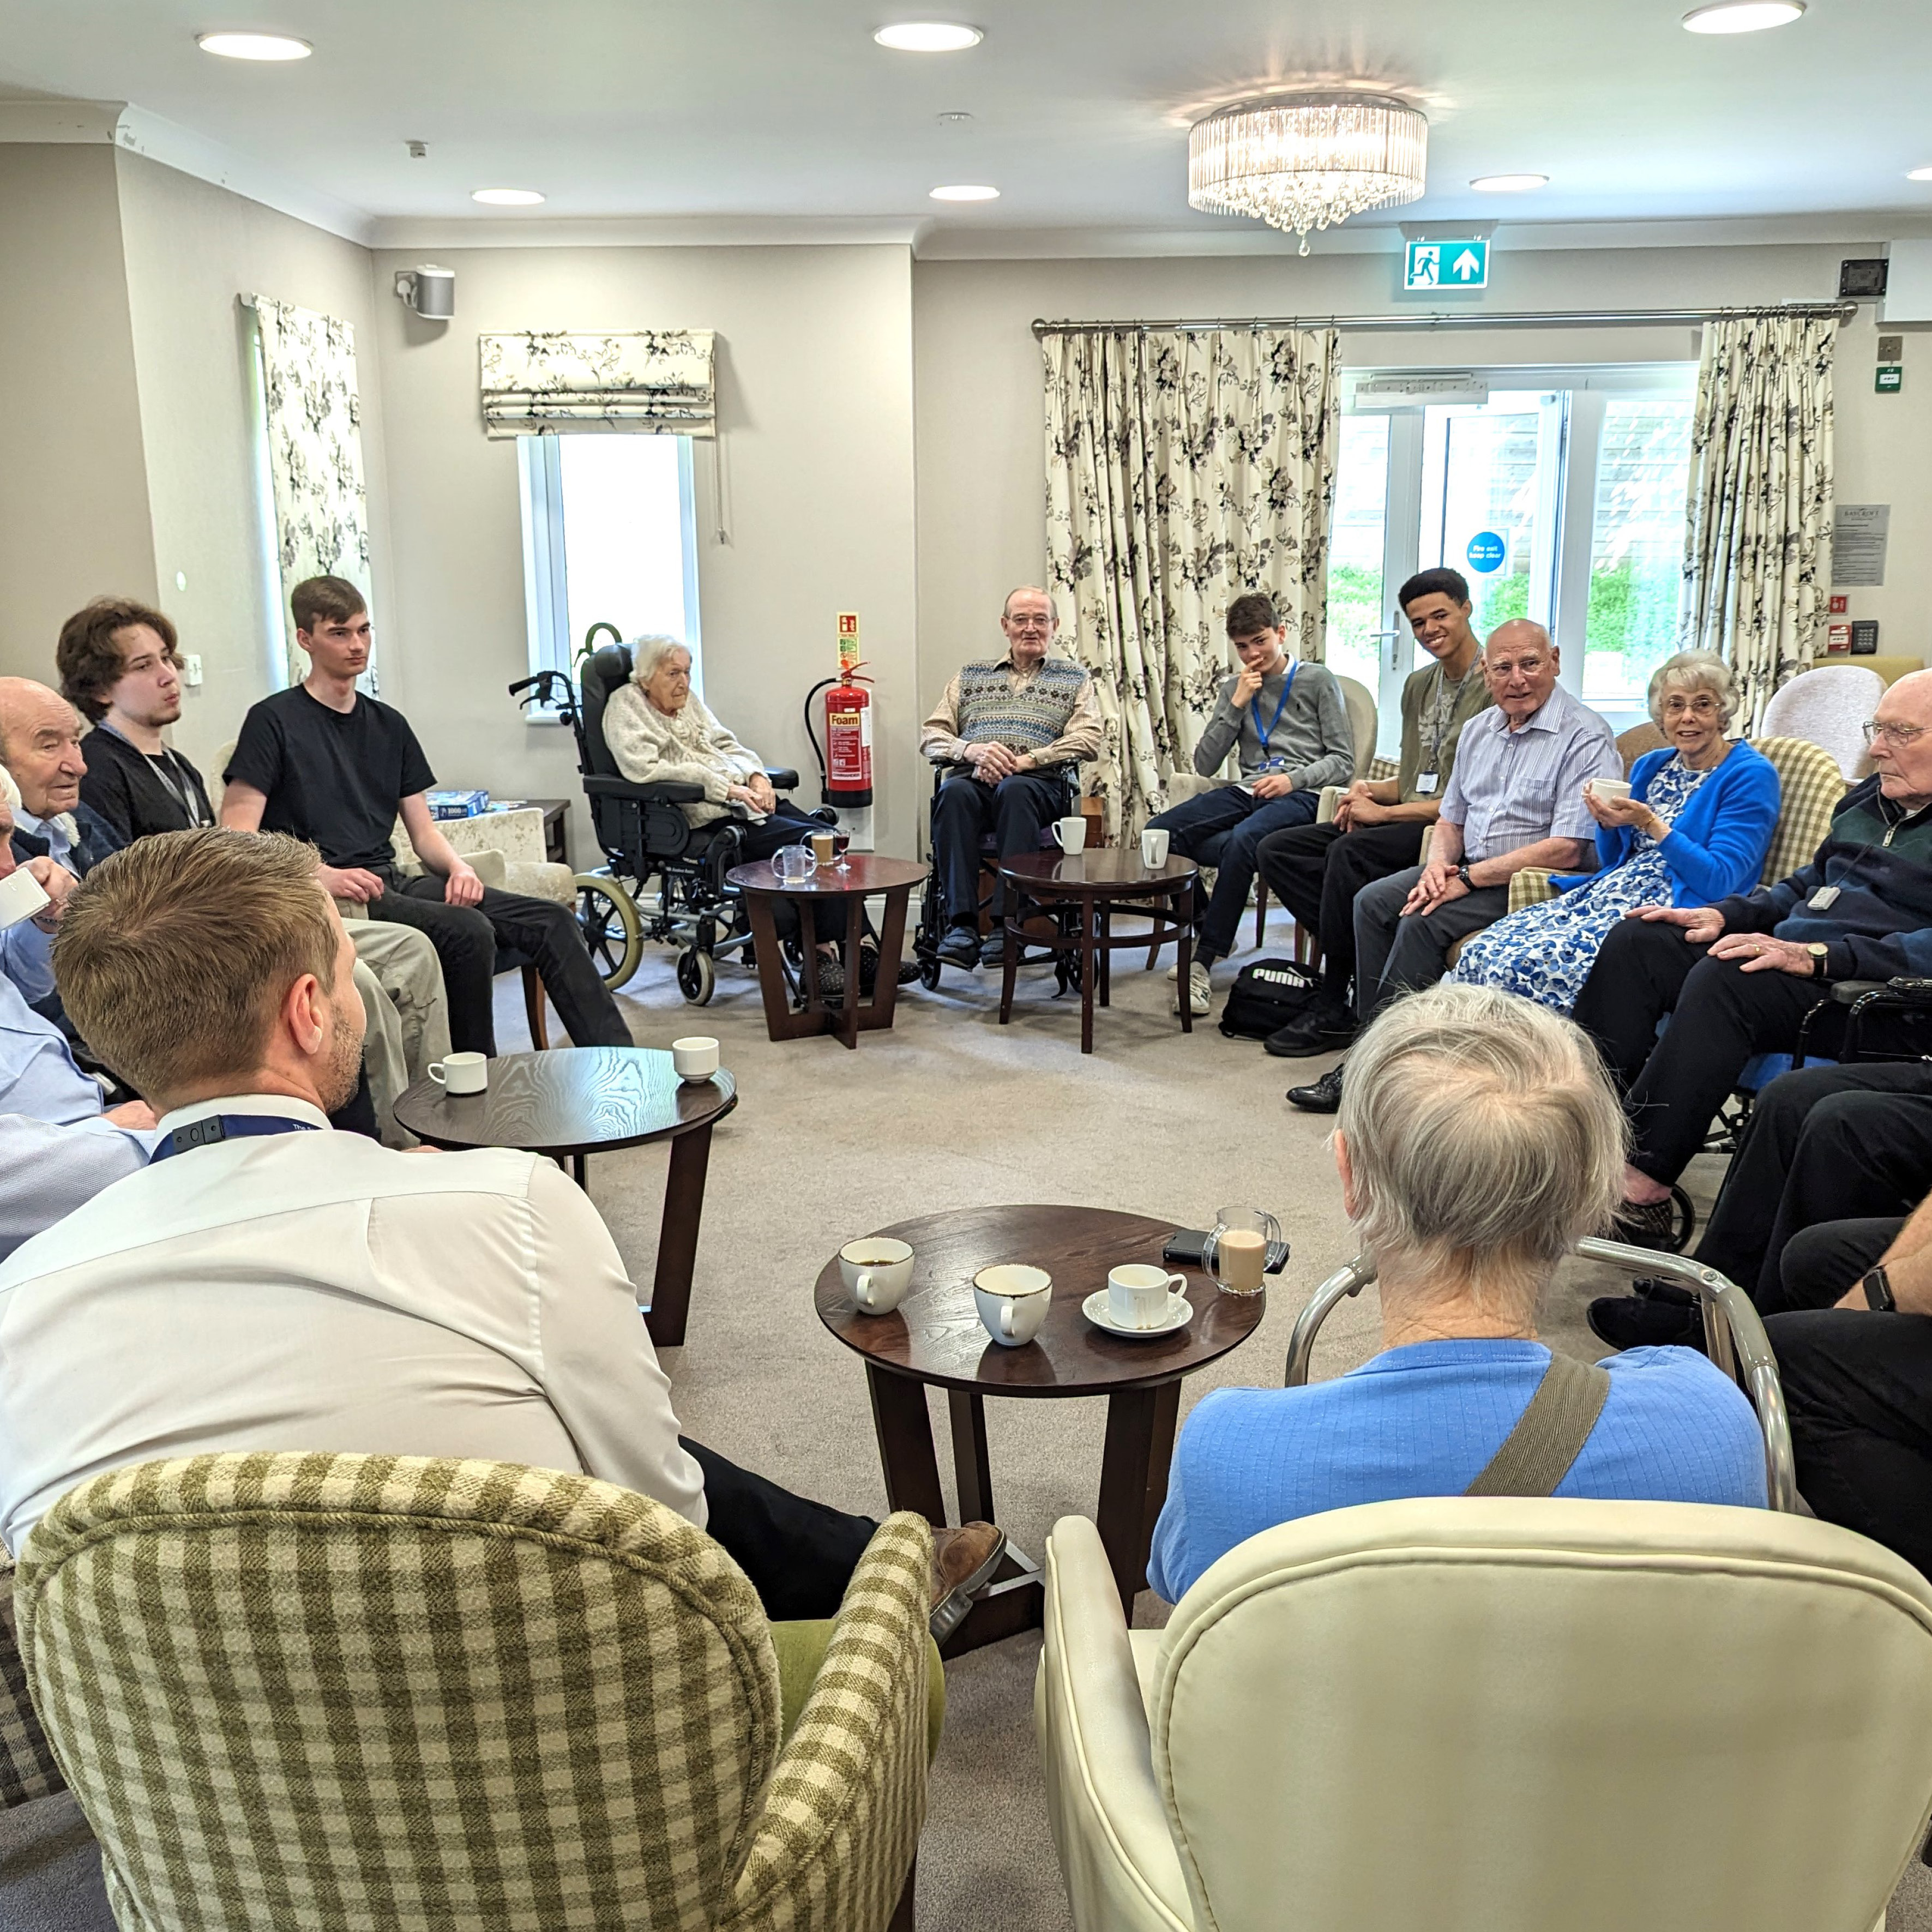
(688, 747)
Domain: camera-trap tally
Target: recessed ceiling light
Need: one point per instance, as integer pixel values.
(1509, 184)
(507, 197)
(966, 192)
(1743, 16)
(929, 37)
(1919, 174)
(254, 46)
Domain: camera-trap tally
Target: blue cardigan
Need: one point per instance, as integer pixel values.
(1718, 843)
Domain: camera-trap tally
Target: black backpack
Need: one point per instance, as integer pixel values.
(1266, 997)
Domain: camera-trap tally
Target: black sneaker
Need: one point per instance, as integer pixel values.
(960, 947)
(1324, 1097)
(1646, 1322)
(1326, 1030)
(1665, 1225)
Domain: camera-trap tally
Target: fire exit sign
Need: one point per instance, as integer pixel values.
(1447, 264)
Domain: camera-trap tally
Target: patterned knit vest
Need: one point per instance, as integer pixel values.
(991, 712)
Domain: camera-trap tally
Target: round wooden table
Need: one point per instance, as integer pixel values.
(831, 889)
(934, 1337)
(1091, 886)
(594, 1100)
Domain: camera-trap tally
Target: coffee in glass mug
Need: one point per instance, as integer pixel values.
(1237, 1249)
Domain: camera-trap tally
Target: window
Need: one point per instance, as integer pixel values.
(1559, 496)
(609, 537)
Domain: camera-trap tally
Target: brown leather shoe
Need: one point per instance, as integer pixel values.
(963, 1563)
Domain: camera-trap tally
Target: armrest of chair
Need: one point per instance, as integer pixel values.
(1324, 809)
(781, 778)
(1109, 1819)
(27, 1766)
(842, 1810)
(1530, 886)
(596, 786)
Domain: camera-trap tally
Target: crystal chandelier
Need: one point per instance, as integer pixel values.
(1299, 161)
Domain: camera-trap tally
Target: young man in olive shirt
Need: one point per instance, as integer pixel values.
(1316, 871)
(322, 762)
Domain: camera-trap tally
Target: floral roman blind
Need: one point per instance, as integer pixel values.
(651, 382)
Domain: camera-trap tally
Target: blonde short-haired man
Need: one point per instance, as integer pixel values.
(267, 1283)
(1478, 1140)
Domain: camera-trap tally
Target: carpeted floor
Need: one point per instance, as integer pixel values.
(948, 1110)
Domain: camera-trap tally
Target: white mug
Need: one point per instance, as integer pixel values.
(1137, 1294)
(1013, 1301)
(1071, 833)
(1607, 789)
(1153, 847)
(695, 1058)
(21, 896)
(461, 1072)
(876, 1271)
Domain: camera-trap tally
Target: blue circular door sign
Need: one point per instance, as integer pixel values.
(1487, 551)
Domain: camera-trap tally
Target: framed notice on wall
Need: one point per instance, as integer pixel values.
(1858, 533)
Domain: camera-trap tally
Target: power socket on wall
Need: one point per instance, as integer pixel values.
(191, 670)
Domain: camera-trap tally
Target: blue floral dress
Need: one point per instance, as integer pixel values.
(1545, 951)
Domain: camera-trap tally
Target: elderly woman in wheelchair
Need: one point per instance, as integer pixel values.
(660, 732)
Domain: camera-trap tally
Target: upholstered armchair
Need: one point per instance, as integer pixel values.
(27, 1767)
(347, 1690)
(1458, 1715)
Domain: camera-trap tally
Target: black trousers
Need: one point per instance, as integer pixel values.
(1721, 1015)
(787, 825)
(1316, 871)
(1824, 1145)
(1859, 1387)
(1819, 1265)
(466, 939)
(800, 1555)
(1014, 812)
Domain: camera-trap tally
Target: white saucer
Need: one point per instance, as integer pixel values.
(1179, 1313)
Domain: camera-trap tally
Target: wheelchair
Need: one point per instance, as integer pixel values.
(643, 832)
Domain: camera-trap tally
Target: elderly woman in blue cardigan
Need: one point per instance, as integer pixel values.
(1695, 829)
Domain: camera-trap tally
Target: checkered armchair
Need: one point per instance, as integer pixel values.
(345, 1691)
(27, 1766)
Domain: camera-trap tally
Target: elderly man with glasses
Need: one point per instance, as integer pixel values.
(1017, 728)
(1738, 977)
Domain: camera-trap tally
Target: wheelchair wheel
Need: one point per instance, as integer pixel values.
(696, 976)
(608, 920)
(929, 969)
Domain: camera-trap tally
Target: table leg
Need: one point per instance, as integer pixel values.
(847, 1028)
(892, 947)
(580, 1169)
(771, 969)
(1184, 906)
(1106, 918)
(1089, 969)
(677, 1236)
(905, 1430)
(1009, 960)
(972, 1468)
(1133, 1479)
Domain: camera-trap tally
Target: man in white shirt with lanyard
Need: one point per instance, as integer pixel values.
(268, 1283)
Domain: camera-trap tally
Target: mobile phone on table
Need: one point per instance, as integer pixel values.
(1186, 1247)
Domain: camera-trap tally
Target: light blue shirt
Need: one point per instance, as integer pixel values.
(1511, 789)
(26, 952)
(1424, 1420)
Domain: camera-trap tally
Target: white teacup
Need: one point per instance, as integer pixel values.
(1154, 847)
(877, 1272)
(1071, 831)
(1137, 1294)
(1607, 789)
(21, 896)
(461, 1072)
(695, 1058)
(1013, 1301)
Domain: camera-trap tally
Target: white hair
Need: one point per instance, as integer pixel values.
(1482, 1139)
(648, 653)
(1693, 671)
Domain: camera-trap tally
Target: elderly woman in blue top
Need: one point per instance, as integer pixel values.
(1695, 829)
(1478, 1139)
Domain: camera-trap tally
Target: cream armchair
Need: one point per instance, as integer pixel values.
(1459, 1714)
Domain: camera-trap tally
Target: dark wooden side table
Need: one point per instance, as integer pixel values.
(555, 826)
(595, 1099)
(833, 895)
(934, 1338)
(1090, 887)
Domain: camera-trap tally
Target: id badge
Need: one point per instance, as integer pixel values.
(1823, 899)
(1426, 783)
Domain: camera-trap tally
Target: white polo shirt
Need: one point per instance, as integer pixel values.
(315, 1291)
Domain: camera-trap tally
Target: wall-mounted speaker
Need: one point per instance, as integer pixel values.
(429, 290)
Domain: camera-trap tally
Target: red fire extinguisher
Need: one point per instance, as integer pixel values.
(845, 763)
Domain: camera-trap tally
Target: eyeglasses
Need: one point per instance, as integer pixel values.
(1697, 707)
(1901, 735)
(1029, 623)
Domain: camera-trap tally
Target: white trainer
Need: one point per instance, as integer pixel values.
(1200, 993)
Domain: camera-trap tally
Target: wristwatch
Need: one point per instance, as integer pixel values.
(1820, 954)
(1468, 883)
(1877, 1286)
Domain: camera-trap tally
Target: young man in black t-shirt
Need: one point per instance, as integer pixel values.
(330, 766)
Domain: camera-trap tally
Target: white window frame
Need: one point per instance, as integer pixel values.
(546, 582)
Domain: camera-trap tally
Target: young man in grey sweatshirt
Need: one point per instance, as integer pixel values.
(1289, 725)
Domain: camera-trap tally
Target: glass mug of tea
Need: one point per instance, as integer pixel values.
(1235, 1252)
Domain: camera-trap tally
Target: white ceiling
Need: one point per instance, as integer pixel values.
(725, 111)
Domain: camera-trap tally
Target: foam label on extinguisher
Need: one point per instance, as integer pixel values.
(851, 744)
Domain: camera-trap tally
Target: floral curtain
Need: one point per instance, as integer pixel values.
(652, 383)
(1757, 548)
(314, 422)
(1183, 468)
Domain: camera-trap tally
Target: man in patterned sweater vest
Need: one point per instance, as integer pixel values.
(1019, 726)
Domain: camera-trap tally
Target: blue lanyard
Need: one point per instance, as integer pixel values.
(1255, 706)
(213, 1129)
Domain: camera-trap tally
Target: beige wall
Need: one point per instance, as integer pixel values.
(815, 409)
(193, 251)
(73, 492)
(977, 368)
